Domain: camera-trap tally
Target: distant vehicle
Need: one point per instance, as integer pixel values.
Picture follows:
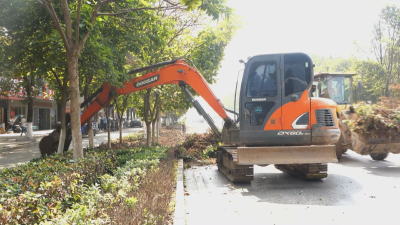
(85, 130)
(136, 123)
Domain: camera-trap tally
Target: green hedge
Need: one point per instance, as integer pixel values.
(55, 190)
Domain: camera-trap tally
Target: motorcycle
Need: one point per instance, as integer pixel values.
(15, 127)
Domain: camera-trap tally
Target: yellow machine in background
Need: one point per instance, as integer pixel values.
(338, 87)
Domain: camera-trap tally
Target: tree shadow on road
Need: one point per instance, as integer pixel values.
(271, 185)
(282, 188)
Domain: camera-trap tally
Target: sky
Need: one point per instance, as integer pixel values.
(323, 27)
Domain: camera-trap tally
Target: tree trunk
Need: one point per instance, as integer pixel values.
(59, 110)
(108, 128)
(72, 60)
(148, 132)
(62, 108)
(153, 135)
(158, 126)
(63, 132)
(89, 127)
(120, 130)
(90, 133)
(146, 115)
(29, 119)
(154, 121)
(119, 115)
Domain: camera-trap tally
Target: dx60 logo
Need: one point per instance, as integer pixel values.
(291, 133)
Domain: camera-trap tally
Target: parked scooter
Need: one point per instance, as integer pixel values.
(15, 127)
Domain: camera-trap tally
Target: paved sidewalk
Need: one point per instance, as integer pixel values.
(15, 140)
(12, 143)
(13, 152)
(17, 136)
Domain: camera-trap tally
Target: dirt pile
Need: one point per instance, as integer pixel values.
(198, 142)
(375, 121)
(171, 138)
(198, 148)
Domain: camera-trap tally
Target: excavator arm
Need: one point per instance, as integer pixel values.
(173, 72)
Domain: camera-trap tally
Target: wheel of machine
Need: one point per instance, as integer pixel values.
(339, 147)
(379, 156)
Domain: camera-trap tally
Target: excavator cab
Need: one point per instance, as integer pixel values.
(275, 98)
(280, 123)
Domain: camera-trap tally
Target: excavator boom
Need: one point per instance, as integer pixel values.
(173, 72)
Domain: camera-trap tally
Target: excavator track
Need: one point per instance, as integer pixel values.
(305, 171)
(227, 165)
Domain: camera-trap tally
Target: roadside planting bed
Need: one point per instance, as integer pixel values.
(130, 184)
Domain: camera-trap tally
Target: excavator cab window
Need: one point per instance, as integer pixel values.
(297, 74)
(262, 80)
(261, 92)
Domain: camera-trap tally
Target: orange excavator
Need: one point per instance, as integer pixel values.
(279, 122)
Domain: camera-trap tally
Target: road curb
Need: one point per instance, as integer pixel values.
(179, 217)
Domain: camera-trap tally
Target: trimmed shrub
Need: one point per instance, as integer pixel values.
(55, 190)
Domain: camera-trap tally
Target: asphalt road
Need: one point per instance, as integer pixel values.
(9, 157)
(358, 190)
(103, 136)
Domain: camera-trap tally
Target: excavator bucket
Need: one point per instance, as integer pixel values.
(365, 145)
(286, 155)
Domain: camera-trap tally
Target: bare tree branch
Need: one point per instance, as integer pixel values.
(57, 78)
(68, 22)
(137, 9)
(174, 4)
(78, 21)
(95, 13)
(56, 22)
